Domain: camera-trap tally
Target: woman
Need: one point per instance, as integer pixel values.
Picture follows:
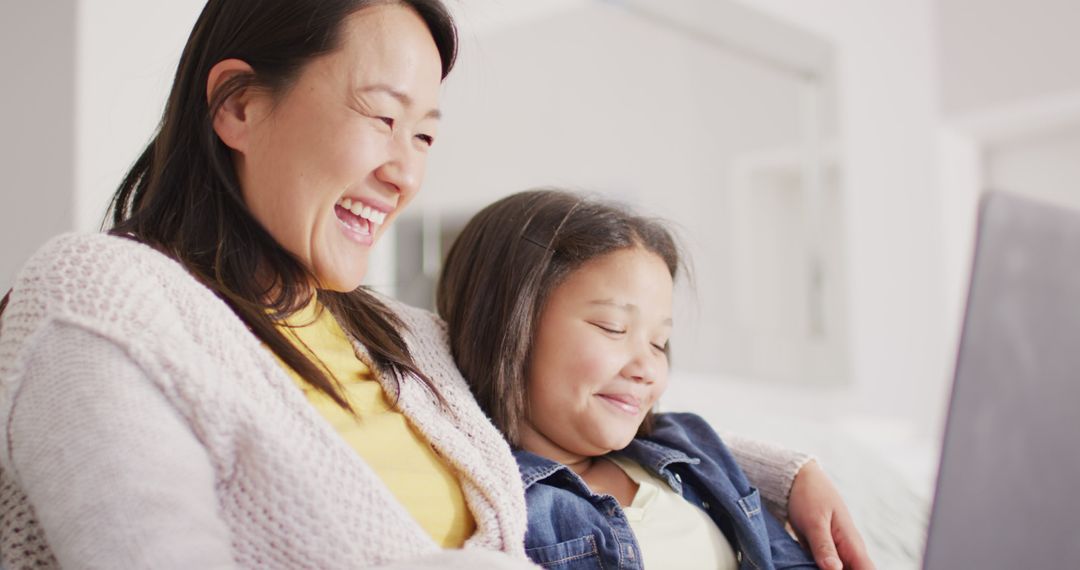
(172, 393)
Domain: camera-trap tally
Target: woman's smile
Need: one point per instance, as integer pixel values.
(359, 221)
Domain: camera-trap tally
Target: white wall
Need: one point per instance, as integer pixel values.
(1043, 166)
(659, 114)
(1010, 93)
(996, 52)
(37, 128)
(127, 55)
(92, 79)
(888, 116)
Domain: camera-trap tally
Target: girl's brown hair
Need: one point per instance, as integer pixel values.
(501, 270)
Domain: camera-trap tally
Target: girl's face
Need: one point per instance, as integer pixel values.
(598, 362)
(333, 160)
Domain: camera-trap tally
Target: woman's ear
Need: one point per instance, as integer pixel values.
(233, 119)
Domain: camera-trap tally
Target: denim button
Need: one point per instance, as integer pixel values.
(705, 505)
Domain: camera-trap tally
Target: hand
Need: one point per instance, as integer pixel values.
(822, 522)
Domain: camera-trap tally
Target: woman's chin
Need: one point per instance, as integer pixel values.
(341, 281)
(343, 272)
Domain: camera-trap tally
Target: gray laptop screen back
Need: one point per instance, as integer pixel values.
(1008, 493)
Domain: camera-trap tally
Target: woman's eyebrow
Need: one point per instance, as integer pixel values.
(403, 98)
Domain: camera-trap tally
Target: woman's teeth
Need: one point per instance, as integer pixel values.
(374, 216)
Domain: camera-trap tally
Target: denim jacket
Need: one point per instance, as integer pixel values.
(571, 528)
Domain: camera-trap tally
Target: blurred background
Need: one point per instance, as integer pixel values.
(821, 160)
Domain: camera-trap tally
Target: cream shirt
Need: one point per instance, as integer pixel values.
(671, 532)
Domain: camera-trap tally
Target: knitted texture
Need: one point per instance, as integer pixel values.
(178, 371)
(21, 541)
(769, 467)
(291, 492)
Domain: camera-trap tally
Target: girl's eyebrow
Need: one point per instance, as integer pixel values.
(627, 307)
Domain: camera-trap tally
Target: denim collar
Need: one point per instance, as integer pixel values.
(533, 467)
(651, 455)
(654, 456)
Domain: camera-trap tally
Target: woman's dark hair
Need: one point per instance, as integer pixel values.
(182, 196)
(500, 272)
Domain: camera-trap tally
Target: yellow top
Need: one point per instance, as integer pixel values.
(383, 436)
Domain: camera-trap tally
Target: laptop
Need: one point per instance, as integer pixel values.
(1008, 490)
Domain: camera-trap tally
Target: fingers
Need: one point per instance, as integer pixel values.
(855, 558)
(820, 539)
(823, 523)
(849, 544)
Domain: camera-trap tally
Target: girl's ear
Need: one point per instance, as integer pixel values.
(233, 120)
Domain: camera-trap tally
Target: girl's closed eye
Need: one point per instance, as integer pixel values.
(609, 328)
(428, 140)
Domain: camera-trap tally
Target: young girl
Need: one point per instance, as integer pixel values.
(608, 483)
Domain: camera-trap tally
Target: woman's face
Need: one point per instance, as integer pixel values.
(598, 362)
(341, 152)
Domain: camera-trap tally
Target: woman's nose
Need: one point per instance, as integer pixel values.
(403, 168)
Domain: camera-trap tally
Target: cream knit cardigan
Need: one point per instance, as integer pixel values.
(145, 426)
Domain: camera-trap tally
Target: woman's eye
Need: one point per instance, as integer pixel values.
(388, 121)
(661, 347)
(426, 139)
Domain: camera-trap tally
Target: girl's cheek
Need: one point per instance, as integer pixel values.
(593, 361)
